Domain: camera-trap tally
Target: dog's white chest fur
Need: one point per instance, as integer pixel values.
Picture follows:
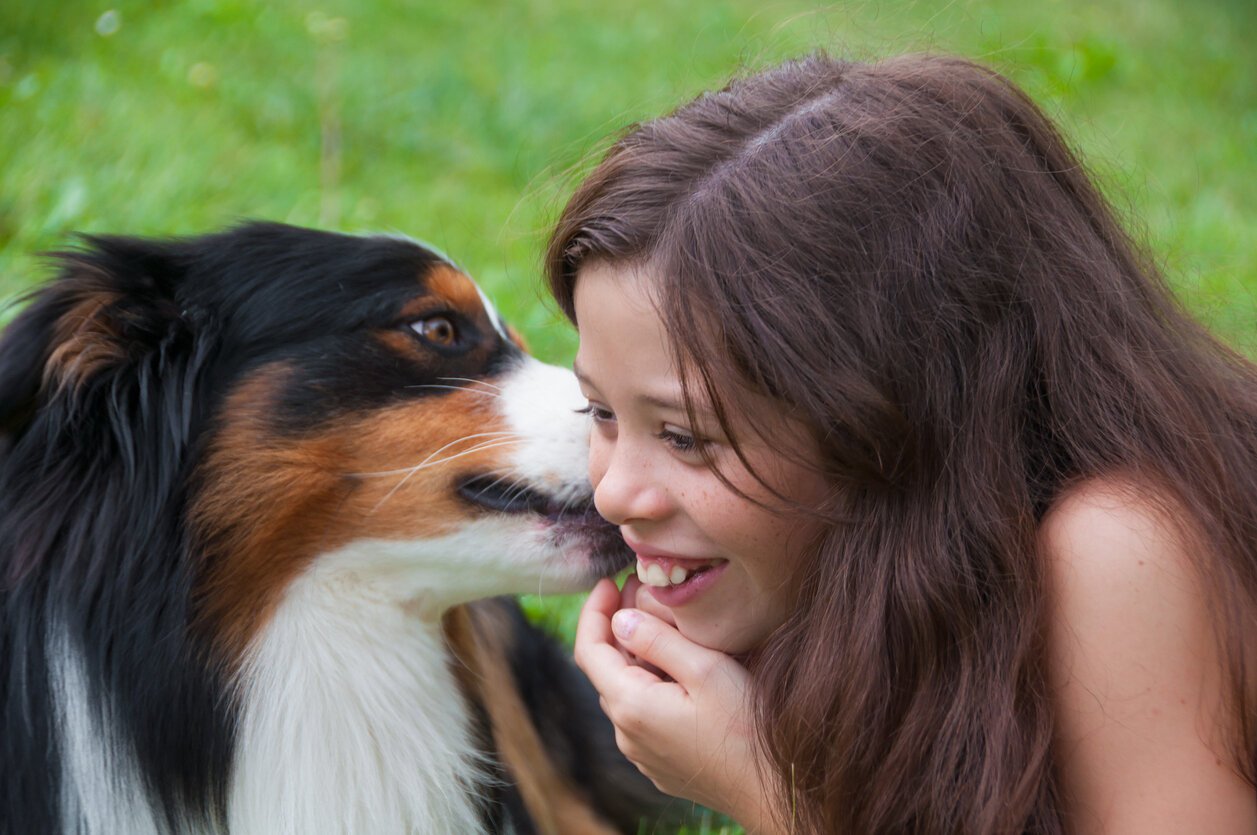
(350, 720)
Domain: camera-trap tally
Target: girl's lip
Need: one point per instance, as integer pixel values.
(696, 584)
(676, 596)
(667, 561)
(650, 554)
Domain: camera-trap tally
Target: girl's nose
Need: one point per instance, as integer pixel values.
(626, 487)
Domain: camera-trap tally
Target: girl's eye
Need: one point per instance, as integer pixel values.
(436, 330)
(680, 441)
(599, 414)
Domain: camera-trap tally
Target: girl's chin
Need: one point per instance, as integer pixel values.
(740, 639)
(704, 635)
(648, 604)
(710, 630)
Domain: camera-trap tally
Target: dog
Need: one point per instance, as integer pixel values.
(251, 484)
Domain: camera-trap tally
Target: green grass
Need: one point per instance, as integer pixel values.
(466, 124)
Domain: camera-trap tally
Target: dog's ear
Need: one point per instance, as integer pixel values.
(111, 303)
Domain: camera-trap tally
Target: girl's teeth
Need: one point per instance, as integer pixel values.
(654, 575)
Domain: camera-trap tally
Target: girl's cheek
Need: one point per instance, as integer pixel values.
(598, 453)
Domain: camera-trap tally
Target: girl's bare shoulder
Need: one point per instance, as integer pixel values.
(1144, 734)
(1116, 529)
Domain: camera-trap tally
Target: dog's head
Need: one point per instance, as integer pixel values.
(307, 401)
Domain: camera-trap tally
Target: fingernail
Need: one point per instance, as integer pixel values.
(624, 622)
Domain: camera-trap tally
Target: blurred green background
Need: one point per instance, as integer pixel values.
(467, 123)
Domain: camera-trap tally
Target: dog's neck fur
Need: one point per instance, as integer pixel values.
(349, 720)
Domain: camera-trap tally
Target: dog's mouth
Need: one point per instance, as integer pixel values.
(572, 519)
(505, 495)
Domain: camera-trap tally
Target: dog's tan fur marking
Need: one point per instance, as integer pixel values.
(86, 341)
(272, 503)
(517, 338)
(399, 342)
(454, 287)
(479, 637)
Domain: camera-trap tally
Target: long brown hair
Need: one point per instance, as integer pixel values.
(909, 258)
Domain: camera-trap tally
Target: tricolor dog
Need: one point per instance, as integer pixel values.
(250, 484)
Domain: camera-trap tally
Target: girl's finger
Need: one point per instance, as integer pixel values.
(596, 652)
(659, 644)
(628, 594)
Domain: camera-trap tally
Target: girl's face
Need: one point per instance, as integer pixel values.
(721, 565)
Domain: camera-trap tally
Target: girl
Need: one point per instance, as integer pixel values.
(944, 509)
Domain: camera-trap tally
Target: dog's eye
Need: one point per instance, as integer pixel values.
(438, 330)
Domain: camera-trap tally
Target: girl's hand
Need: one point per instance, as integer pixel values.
(689, 730)
(632, 598)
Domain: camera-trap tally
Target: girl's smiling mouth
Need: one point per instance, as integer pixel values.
(661, 572)
(675, 581)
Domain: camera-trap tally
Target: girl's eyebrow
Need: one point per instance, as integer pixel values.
(673, 403)
(582, 376)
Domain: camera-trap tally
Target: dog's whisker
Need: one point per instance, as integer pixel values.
(541, 578)
(510, 480)
(498, 440)
(454, 388)
(428, 465)
(569, 503)
(471, 380)
(429, 462)
(515, 487)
